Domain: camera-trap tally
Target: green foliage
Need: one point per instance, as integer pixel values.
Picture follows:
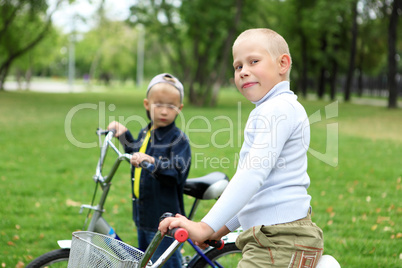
(44, 177)
(193, 40)
(23, 25)
(108, 49)
(44, 59)
(198, 35)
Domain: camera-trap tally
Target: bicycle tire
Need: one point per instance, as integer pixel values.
(229, 256)
(55, 258)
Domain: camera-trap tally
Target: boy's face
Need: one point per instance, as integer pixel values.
(163, 104)
(255, 72)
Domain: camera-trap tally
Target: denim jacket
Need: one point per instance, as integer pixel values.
(162, 190)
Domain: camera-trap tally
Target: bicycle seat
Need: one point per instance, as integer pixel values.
(210, 186)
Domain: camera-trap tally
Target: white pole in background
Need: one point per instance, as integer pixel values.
(140, 55)
(71, 56)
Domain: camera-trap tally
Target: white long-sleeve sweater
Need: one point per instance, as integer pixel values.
(271, 180)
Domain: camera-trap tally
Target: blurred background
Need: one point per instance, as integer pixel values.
(339, 48)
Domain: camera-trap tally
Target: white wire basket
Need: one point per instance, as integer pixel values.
(93, 250)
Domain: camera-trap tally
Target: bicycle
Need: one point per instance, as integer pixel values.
(207, 187)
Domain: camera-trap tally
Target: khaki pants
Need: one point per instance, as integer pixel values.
(289, 245)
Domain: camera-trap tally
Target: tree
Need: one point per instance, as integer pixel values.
(23, 24)
(196, 38)
(392, 39)
(352, 55)
(39, 61)
(108, 50)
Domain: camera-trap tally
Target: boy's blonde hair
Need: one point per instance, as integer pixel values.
(273, 42)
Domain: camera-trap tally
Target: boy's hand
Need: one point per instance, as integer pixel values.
(197, 231)
(215, 236)
(120, 129)
(138, 158)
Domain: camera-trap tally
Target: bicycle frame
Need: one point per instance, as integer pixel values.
(99, 225)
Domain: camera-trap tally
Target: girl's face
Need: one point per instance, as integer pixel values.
(255, 72)
(163, 104)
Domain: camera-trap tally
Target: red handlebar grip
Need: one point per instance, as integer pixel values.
(216, 244)
(181, 235)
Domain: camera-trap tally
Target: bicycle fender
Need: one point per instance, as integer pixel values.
(64, 243)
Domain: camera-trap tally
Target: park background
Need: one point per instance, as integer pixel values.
(345, 53)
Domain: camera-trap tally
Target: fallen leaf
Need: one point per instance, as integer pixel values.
(378, 210)
(381, 219)
(330, 222)
(17, 227)
(374, 227)
(71, 203)
(391, 207)
(16, 237)
(115, 209)
(399, 235)
(329, 209)
(20, 264)
(10, 243)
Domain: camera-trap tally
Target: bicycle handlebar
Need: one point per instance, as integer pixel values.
(215, 243)
(148, 166)
(181, 234)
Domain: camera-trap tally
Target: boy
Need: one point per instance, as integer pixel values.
(164, 145)
(268, 194)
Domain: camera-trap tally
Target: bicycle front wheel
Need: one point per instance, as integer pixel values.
(56, 259)
(229, 256)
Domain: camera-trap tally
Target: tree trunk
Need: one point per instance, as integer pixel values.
(392, 39)
(352, 55)
(334, 75)
(304, 57)
(226, 52)
(321, 83)
(360, 82)
(323, 70)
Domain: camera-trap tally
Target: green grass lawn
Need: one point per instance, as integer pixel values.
(46, 173)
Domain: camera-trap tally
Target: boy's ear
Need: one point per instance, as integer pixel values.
(285, 63)
(146, 104)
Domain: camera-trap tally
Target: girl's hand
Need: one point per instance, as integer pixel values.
(197, 231)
